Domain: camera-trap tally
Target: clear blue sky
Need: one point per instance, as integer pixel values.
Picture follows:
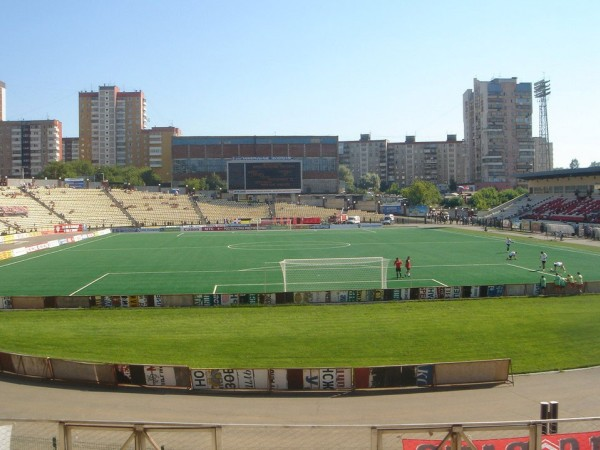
(305, 67)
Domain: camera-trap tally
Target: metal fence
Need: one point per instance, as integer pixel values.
(580, 433)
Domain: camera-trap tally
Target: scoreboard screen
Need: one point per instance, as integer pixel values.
(264, 176)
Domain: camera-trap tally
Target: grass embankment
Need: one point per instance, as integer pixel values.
(538, 334)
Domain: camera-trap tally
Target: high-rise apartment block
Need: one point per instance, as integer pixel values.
(70, 149)
(27, 146)
(439, 162)
(498, 131)
(2, 101)
(365, 156)
(110, 126)
(157, 152)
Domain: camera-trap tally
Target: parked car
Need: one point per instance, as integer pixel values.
(388, 219)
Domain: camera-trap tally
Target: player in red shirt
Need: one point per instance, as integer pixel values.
(408, 265)
(398, 264)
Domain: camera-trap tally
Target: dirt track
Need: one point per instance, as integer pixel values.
(576, 391)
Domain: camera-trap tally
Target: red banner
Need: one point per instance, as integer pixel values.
(68, 228)
(573, 441)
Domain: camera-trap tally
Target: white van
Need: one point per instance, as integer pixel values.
(388, 219)
(353, 219)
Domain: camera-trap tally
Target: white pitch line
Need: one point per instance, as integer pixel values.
(519, 267)
(90, 283)
(439, 282)
(458, 265)
(69, 247)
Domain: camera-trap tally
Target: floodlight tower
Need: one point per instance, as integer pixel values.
(541, 90)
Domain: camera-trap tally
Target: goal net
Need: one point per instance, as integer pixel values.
(334, 273)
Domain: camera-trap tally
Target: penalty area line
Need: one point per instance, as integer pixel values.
(89, 284)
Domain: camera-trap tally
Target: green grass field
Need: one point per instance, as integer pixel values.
(242, 262)
(536, 333)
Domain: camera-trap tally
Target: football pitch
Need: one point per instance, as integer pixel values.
(248, 261)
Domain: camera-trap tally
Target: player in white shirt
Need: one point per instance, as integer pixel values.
(559, 265)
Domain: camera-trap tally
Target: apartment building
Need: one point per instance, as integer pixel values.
(110, 126)
(70, 149)
(498, 131)
(404, 162)
(364, 156)
(157, 151)
(438, 162)
(27, 146)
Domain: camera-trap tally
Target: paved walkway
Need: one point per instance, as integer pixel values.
(576, 391)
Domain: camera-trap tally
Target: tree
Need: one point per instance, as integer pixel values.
(422, 192)
(370, 181)
(453, 202)
(215, 183)
(574, 164)
(394, 189)
(57, 169)
(485, 198)
(197, 184)
(345, 175)
(595, 164)
(508, 194)
(149, 177)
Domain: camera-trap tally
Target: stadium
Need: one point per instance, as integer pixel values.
(118, 251)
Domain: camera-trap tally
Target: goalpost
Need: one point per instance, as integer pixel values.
(334, 273)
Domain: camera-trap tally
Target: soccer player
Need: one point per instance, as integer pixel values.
(508, 242)
(559, 265)
(543, 285)
(398, 264)
(579, 282)
(543, 259)
(408, 265)
(512, 255)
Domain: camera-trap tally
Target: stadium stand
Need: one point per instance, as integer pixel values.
(517, 206)
(567, 210)
(156, 209)
(29, 208)
(20, 212)
(226, 211)
(91, 207)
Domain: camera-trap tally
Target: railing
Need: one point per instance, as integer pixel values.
(583, 433)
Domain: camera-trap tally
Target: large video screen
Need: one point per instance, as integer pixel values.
(264, 176)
